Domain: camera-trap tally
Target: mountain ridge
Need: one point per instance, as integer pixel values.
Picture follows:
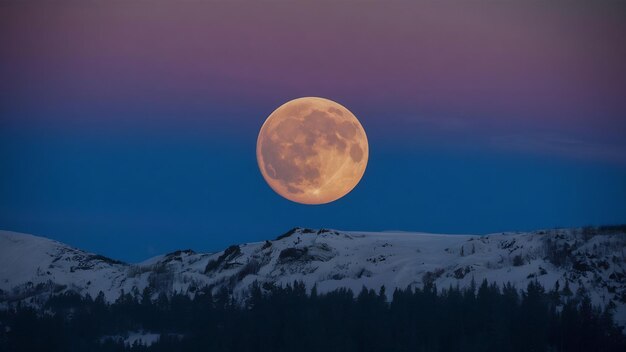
(589, 259)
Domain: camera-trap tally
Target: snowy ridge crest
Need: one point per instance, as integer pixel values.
(592, 259)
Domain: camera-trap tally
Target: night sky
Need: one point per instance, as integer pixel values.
(129, 128)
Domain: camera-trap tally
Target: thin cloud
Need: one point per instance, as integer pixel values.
(562, 146)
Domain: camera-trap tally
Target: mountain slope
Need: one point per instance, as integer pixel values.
(593, 259)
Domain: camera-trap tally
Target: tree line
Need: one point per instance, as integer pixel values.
(486, 317)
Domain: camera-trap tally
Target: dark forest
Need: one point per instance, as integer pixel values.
(483, 317)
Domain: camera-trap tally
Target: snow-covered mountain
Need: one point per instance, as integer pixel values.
(593, 259)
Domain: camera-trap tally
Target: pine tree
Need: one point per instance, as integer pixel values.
(567, 292)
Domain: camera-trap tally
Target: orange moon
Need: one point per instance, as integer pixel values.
(312, 150)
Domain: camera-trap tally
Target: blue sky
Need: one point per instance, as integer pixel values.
(133, 197)
(130, 130)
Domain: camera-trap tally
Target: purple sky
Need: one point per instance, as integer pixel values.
(552, 78)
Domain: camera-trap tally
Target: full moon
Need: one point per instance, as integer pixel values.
(312, 150)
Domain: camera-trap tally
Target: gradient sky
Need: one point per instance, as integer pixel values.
(128, 128)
